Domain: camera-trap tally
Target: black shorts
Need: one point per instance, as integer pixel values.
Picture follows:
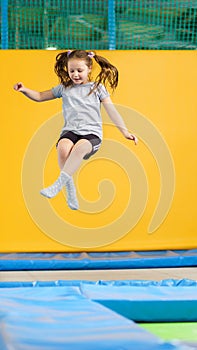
(94, 140)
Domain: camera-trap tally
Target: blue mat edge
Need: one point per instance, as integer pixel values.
(91, 261)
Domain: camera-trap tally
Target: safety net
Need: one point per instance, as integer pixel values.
(99, 24)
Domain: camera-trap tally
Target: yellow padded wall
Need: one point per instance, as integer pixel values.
(131, 197)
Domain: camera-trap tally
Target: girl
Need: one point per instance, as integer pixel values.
(81, 135)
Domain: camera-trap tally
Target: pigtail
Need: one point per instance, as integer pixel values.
(60, 65)
(108, 73)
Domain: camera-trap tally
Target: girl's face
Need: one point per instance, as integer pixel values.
(78, 71)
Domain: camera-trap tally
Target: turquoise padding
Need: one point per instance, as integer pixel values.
(147, 303)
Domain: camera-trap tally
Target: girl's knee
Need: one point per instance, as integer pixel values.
(63, 150)
(64, 147)
(82, 147)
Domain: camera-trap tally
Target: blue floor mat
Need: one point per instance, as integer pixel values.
(88, 261)
(141, 301)
(62, 318)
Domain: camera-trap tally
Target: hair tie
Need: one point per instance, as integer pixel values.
(91, 54)
(69, 52)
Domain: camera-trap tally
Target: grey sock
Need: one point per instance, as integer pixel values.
(71, 194)
(56, 187)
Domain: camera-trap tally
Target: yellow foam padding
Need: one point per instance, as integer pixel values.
(131, 197)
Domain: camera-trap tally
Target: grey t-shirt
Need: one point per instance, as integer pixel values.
(81, 111)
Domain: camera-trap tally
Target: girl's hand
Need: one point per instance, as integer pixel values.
(19, 87)
(131, 137)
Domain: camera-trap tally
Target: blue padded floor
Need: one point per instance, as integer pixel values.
(64, 315)
(141, 301)
(63, 318)
(85, 261)
(147, 303)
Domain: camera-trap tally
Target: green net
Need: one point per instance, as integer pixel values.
(99, 24)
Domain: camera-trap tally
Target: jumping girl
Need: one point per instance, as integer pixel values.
(81, 135)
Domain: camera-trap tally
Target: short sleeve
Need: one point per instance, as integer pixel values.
(57, 91)
(102, 92)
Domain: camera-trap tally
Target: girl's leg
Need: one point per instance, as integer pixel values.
(79, 150)
(64, 148)
(71, 156)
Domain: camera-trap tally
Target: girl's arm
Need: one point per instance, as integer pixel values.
(34, 95)
(117, 119)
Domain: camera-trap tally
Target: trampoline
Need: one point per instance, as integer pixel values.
(102, 314)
